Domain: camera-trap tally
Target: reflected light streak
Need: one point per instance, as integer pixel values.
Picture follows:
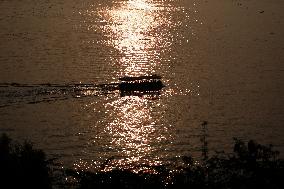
(136, 29)
(139, 33)
(132, 128)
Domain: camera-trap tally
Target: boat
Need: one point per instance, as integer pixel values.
(149, 83)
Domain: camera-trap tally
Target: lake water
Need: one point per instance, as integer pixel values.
(221, 62)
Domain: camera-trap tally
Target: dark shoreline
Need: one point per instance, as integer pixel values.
(251, 165)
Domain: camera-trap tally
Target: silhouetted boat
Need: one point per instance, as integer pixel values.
(141, 83)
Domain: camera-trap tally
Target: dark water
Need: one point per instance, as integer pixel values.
(60, 62)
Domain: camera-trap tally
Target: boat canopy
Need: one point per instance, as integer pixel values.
(149, 77)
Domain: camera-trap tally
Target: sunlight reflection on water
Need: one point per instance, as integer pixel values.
(141, 32)
(132, 127)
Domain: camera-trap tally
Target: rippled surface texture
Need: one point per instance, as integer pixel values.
(221, 62)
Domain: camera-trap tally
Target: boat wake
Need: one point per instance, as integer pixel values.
(15, 93)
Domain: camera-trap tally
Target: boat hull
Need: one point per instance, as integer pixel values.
(141, 86)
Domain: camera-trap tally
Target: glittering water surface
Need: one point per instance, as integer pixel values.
(61, 61)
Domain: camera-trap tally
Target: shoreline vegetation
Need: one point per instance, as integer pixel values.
(251, 165)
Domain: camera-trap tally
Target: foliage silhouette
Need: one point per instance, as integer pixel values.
(250, 165)
(22, 166)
